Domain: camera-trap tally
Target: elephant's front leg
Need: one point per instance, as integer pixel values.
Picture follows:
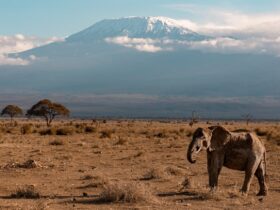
(215, 162)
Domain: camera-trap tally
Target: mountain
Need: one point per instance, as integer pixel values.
(137, 27)
(151, 58)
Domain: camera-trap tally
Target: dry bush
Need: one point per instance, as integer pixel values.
(94, 181)
(87, 177)
(106, 134)
(161, 134)
(80, 127)
(56, 142)
(27, 129)
(187, 183)
(125, 192)
(90, 129)
(261, 132)
(27, 165)
(27, 192)
(151, 174)
(120, 141)
(64, 131)
(48, 131)
(172, 171)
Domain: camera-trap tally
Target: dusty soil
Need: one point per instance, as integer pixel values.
(69, 171)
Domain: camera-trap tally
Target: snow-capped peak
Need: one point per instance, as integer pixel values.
(138, 27)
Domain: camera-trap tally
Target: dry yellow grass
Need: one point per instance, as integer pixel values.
(116, 161)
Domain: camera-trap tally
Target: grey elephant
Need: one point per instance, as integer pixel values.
(238, 151)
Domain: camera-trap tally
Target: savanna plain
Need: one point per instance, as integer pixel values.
(123, 164)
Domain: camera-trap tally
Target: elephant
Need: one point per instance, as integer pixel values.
(239, 151)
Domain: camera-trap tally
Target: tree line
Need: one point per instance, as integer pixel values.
(44, 108)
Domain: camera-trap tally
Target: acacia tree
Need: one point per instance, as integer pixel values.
(194, 118)
(12, 111)
(48, 110)
(248, 118)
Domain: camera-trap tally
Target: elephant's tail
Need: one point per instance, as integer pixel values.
(265, 168)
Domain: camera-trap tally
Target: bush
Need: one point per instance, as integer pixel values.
(56, 142)
(89, 129)
(106, 134)
(151, 174)
(27, 129)
(127, 193)
(27, 192)
(49, 131)
(64, 131)
(260, 132)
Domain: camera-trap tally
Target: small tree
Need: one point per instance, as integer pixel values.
(247, 118)
(12, 111)
(47, 109)
(194, 118)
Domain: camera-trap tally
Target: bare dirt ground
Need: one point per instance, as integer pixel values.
(142, 163)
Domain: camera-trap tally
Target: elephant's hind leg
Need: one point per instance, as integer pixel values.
(260, 174)
(251, 168)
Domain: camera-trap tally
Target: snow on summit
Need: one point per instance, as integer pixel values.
(138, 27)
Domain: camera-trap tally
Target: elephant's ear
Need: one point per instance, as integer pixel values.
(220, 136)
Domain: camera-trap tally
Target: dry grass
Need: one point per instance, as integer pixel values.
(127, 153)
(27, 129)
(57, 142)
(125, 193)
(106, 134)
(26, 192)
(27, 164)
(65, 131)
(151, 174)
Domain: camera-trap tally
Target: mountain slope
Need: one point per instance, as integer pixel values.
(136, 27)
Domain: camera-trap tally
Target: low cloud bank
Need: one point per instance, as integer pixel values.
(19, 43)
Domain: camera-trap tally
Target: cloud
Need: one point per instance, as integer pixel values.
(223, 22)
(19, 43)
(140, 44)
(230, 45)
(226, 45)
(231, 31)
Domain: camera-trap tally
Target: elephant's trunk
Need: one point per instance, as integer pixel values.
(190, 152)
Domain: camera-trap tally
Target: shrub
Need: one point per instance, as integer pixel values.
(160, 135)
(89, 129)
(27, 129)
(64, 131)
(127, 193)
(56, 142)
(151, 174)
(187, 183)
(120, 141)
(106, 134)
(27, 192)
(29, 164)
(49, 131)
(260, 132)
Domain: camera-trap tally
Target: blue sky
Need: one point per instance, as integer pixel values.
(60, 18)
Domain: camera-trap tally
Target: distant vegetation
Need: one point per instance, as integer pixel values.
(12, 111)
(48, 110)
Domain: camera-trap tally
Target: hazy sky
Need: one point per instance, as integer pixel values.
(46, 18)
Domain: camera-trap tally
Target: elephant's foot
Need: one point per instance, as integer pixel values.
(213, 189)
(244, 192)
(262, 193)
